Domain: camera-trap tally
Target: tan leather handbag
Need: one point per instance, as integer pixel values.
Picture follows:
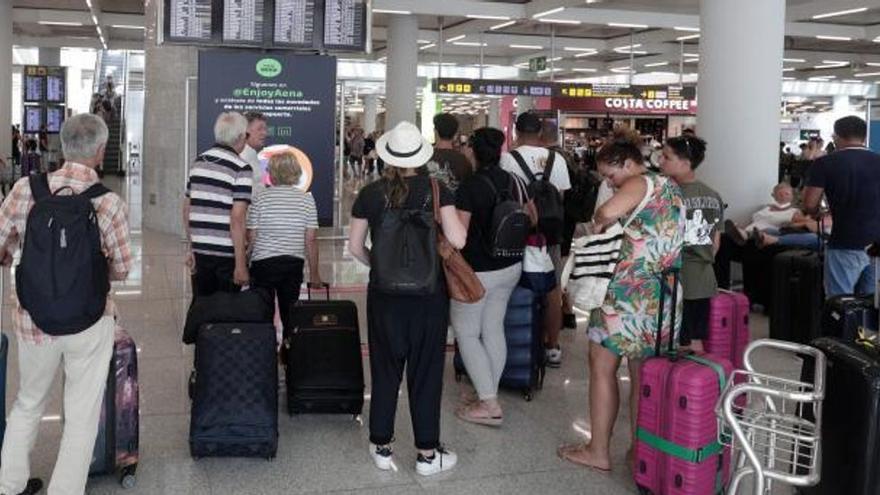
(461, 281)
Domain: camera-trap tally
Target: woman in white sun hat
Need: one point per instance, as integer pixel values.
(407, 303)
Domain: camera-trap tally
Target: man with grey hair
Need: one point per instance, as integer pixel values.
(84, 354)
(218, 194)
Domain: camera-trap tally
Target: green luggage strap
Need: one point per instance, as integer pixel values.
(685, 453)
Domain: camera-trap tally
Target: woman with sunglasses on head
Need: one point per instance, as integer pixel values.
(626, 323)
(705, 220)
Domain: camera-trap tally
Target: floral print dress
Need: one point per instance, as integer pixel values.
(626, 324)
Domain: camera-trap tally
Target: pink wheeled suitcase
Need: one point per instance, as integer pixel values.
(728, 327)
(677, 450)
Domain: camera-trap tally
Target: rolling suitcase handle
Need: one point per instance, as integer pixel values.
(662, 282)
(324, 285)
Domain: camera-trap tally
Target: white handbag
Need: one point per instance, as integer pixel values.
(593, 258)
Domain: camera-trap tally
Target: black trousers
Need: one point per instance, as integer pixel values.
(283, 275)
(213, 274)
(407, 332)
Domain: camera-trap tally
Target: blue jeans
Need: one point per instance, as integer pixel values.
(848, 271)
(805, 240)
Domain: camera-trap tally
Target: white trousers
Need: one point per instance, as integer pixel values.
(86, 357)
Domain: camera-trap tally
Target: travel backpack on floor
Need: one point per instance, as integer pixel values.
(63, 278)
(548, 201)
(404, 258)
(510, 222)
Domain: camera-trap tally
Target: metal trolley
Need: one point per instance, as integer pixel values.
(773, 423)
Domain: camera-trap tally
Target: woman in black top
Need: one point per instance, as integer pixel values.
(405, 331)
(479, 327)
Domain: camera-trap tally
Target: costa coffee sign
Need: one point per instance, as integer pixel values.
(627, 106)
(642, 104)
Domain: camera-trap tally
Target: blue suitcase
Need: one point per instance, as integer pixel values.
(523, 332)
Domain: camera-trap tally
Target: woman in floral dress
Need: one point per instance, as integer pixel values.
(626, 324)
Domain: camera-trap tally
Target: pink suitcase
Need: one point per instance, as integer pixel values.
(728, 327)
(677, 450)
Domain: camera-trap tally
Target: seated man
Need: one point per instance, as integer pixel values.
(771, 217)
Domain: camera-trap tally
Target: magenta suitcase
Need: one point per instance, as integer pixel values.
(677, 450)
(728, 327)
(116, 447)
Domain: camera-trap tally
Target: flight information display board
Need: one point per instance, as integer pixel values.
(54, 118)
(33, 119)
(55, 89)
(314, 25)
(33, 88)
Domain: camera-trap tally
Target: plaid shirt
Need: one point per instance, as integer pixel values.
(112, 214)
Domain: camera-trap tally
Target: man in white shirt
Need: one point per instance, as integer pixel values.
(257, 130)
(530, 146)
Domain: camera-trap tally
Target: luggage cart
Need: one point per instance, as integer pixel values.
(774, 424)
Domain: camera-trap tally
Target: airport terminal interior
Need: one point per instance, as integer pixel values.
(761, 83)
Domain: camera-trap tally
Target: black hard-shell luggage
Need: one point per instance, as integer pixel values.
(523, 332)
(325, 371)
(235, 391)
(798, 296)
(844, 316)
(850, 419)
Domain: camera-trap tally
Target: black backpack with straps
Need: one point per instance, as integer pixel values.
(510, 223)
(64, 277)
(548, 201)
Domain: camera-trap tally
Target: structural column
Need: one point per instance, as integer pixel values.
(5, 77)
(371, 110)
(494, 113)
(50, 56)
(841, 105)
(524, 103)
(740, 90)
(401, 76)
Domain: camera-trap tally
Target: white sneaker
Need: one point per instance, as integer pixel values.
(554, 357)
(443, 460)
(383, 457)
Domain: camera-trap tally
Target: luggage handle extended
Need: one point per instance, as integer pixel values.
(662, 282)
(323, 285)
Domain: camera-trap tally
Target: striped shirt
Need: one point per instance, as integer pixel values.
(217, 179)
(280, 216)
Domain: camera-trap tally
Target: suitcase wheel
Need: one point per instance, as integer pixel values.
(127, 477)
(527, 395)
(645, 491)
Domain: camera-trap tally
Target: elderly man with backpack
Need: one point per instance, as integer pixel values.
(546, 174)
(76, 240)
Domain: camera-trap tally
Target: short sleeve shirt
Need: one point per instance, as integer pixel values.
(851, 180)
(536, 158)
(372, 201)
(450, 166)
(705, 215)
(218, 178)
(280, 217)
(478, 198)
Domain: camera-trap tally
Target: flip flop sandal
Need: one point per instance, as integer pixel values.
(467, 414)
(564, 452)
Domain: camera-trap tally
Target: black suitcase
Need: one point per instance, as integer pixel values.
(523, 333)
(325, 371)
(845, 315)
(798, 297)
(850, 420)
(757, 263)
(235, 392)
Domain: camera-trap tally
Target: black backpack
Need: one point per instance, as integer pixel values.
(64, 277)
(580, 200)
(510, 222)
(404, 258)
(548, 201)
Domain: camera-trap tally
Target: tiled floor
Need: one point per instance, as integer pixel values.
(329, 453)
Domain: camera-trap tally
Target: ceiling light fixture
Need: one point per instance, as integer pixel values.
(788, 69)
(577, 49)
(127, 26)
(584, 69)
(585, 54)
(59, 23)
(560, 21)
(686, 38)
(456, 38)
(627, 25)
(502, 25)
(488, 17)
(425, 47)
(789, 79)
(390, 11)
(836, 62)
(691, 55)
(627, 47)
(867, 74)
(657, 64)
(548, 12)
(794, 60)
(527, 47)
(828, 66)
(852, 81)
(872, 64)
(469, 43)
(833, 38)
(687, 29)
(841, 12)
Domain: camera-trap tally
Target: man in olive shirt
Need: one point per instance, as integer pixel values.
(448, 164)
(705, 216)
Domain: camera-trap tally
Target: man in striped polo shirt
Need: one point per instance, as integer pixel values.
(218, 194)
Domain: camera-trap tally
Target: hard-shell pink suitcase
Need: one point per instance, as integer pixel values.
(728, 327)
(677, 449)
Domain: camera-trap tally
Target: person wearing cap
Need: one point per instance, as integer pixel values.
(530, 146)
(405, 331)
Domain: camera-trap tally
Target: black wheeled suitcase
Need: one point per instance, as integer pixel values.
(844, 316)
(850, 420)
(325, 371)
(235, 391)
(798, 296)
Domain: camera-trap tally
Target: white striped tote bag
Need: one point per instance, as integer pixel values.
(593, 258)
